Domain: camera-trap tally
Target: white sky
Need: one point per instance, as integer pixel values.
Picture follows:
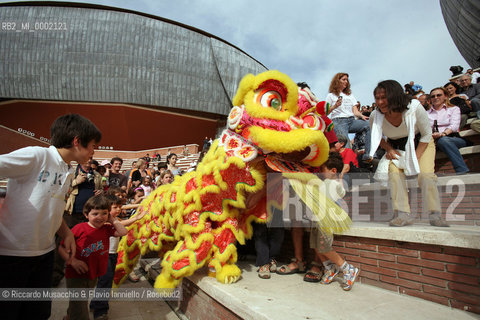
(311, 40)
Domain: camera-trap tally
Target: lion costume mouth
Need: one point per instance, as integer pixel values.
(271, 115)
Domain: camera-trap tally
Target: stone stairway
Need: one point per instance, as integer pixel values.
(289, 297)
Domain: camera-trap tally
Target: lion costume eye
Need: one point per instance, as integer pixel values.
(269, 99)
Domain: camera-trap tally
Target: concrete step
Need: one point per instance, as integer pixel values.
(472, 150)
(123, 309)
(468, 133)
(471, 119)
(289, 297)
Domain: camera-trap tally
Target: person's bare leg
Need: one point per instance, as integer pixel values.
(333, 256)
(297, 239)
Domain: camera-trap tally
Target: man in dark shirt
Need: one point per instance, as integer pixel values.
(472, 91)
(115, 178)
(206, 144)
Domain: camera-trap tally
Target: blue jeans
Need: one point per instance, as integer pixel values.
(450, 146)
(344, 126)
(100, 307)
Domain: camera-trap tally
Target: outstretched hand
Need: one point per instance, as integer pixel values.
(140, 213)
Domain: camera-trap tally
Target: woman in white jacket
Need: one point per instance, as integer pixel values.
(409, 147)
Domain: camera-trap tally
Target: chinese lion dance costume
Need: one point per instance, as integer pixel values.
(196, 220)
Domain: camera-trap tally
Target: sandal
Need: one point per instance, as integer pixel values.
(285, 269)
(264, 271)
(313, 276)
(133, 277)
(273, 265)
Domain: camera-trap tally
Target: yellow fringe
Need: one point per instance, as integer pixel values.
(329, 216)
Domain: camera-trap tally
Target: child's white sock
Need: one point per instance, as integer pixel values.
(328, 264)
(345, 266)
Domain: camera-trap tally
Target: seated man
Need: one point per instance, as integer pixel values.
(424, 100)
(445, 122)
(472, 91)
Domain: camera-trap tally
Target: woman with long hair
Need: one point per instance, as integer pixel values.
(172, 164)
(409, 150)
(445, 121)
(138, 174)
(345, 113)
(459, 100)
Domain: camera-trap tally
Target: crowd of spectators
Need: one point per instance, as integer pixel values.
(459, 101)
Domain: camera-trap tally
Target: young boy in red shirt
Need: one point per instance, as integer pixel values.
(100, 306)
(91, 257)
(348, 155)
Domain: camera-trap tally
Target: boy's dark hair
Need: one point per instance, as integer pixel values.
(342, 139)
(99, 202)
(65, 128)
(116, 159)
(113, 190)
(334, 160)
(114, 199)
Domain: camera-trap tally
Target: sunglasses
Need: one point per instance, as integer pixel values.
(436, 95)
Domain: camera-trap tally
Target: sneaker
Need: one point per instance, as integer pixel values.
(439, 223)
(399, 222)
(349, 277)
(101, 317)
(273, 265)
(436, 220)
(403, 219)
(330, 274)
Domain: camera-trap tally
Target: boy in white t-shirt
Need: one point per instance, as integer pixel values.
(31, 215)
